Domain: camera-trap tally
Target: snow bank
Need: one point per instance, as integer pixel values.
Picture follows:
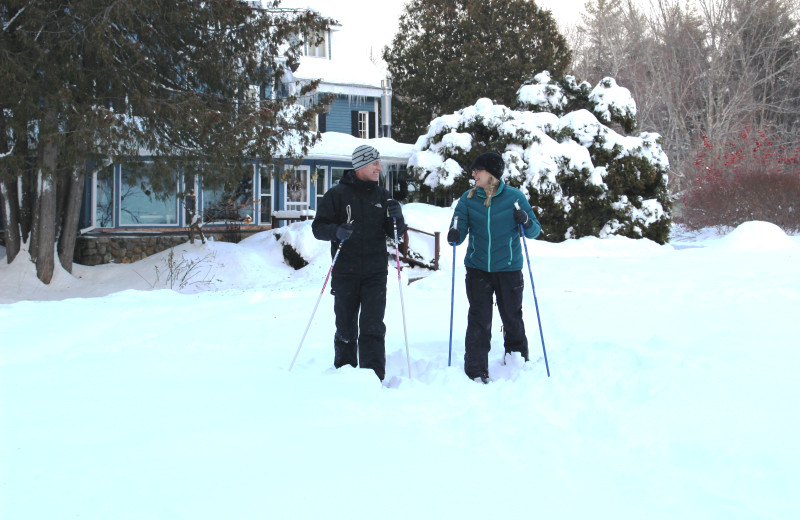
(757, 237)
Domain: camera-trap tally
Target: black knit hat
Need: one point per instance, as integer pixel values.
(492, 162)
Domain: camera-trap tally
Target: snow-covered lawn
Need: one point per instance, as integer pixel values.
(673, 389)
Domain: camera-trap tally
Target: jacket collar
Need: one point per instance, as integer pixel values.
(351, 179)
(482, 193)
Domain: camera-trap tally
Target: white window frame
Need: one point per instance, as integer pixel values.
(266, 191)
(93, 195)
(363, 124)
(253, 97)
(317, 51)
(298, 206)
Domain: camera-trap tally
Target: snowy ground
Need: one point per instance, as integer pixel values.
(674, 376)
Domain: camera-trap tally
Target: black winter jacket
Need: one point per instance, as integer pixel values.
(364, 253)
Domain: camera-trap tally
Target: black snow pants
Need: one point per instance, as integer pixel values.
(481, 286)
(359, 305)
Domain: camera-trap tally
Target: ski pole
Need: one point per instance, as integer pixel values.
(336, 256)
(535, 301)
(452, 297)
(400, 286)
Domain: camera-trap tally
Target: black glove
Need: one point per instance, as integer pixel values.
(394, 209)
(520, 217)
(344, 231)
(453, 236)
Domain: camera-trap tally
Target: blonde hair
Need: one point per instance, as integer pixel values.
(491, 191)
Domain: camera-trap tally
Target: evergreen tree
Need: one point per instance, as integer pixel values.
(96, 80)
(449, 53)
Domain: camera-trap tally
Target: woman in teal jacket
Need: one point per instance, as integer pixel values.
(491, 214)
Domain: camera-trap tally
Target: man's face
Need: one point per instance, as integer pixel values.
(369, 172)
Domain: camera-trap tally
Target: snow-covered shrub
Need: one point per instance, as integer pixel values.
(299, 246)
(610, 103)
(293, 258)
(582, 177)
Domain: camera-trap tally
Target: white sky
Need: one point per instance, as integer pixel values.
(379, 25)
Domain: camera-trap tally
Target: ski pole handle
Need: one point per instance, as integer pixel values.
(527, 219)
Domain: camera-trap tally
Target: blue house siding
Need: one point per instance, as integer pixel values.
(339, 119)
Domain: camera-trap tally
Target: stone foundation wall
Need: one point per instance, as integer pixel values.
(95, 250)
(124, 249)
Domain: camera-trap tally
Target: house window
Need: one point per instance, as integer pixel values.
(321, 182)
(104, 198)
(403, 186)
(253, 98)
(363, 125)
(231, 202)
(296, 196)
(316, 46)
(189, 201)
(141, 204)
(267, 174)
(336, 175)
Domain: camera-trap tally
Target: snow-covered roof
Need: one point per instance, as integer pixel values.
(348, 70)
(337, 146)
(346, 74)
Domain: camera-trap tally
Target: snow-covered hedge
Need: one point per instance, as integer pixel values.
(566, 146)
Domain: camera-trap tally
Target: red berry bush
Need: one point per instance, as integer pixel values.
(750, 178)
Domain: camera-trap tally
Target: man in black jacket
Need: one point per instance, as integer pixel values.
(359, 214)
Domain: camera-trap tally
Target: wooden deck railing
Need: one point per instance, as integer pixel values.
(412, 261)
(289, 220)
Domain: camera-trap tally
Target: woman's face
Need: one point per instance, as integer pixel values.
(482, 178)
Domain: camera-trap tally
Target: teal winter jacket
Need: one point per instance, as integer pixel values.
(494, 235)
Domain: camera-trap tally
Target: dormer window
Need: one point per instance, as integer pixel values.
(316, 46)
